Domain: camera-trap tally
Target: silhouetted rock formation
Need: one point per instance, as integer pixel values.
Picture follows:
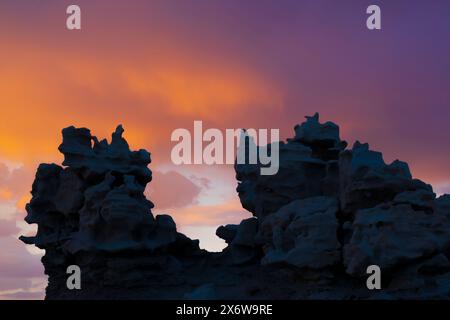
(331, 210)
(327, 215)
(94, 214)
(302, 234)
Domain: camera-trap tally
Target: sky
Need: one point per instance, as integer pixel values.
(155, 66)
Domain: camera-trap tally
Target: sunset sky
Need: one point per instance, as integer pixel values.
(155, 66)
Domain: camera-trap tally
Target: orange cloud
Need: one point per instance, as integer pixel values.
(202, 92)
(44, 92)
(5, 194)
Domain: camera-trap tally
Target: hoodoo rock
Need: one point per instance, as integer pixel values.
(93, 213)
(326, 216)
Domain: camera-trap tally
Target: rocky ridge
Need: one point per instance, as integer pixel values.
(328, 214)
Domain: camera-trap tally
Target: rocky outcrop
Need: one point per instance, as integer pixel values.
(391, 235)
(93, 213)
(366, 180)
(308, 168)
(302, 234)
(331, 209)
(328, 214)
(241, 239)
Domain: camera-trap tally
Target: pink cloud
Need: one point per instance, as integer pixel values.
(4, 172)
(171, 190)
(18, 181)
(20, 271)
(16, 261)
(210, 215)
(8, 228)
(24, 295)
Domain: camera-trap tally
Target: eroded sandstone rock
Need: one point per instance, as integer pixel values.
(308, 168)
(93, 213)
(366, 180)
(328, 214)
(391, 235)
(304, 234)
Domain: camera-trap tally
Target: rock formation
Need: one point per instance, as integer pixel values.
(93, 213)
(328, 214)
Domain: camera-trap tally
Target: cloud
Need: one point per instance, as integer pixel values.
(15, 185)
(16, 261)
(210, 215)
(8, 210)
(171, 190)
(8, 228)
(204, 182)
(24, 295)
(4, 172)
(21, 273)
(82, 90)
(194, 90)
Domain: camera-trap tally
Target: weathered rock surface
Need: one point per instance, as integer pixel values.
(242, 247)
(328, 214)
(304, 234)
(366, 180)
(394, 235)
(93, 213)
(308, 168)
